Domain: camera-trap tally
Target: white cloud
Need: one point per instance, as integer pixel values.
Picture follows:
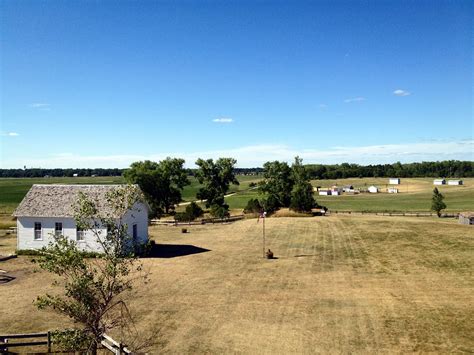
(400, 92)
(256, 155)
(41, 106)
(355, 99)
(10, 134)
(223, 120)
(323, 106)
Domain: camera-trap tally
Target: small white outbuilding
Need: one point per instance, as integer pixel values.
(48, 210)
(394, 181)
(439, 182)
(455, 182)
(373, 189)
(392, 190)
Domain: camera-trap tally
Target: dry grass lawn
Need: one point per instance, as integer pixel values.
(339, 285)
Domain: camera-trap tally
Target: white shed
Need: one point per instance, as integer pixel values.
(392, 190)
(48, 210)
(373, 189)
(325, 192)
(394, 181)
(454, 182)
(439, 182)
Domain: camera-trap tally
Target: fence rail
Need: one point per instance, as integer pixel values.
(402, 214)
(5, 343)
(114, 346)
(157, 222)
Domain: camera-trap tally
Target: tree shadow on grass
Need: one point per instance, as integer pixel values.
(174, 250)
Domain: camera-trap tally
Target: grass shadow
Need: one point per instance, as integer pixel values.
(6, 278)
(174, 250)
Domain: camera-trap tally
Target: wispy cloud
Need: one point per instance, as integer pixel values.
(42, 106)
(223, 120)
(10, 134)
(256, 155)
(355, 99)
(323, 106)
(400, 92)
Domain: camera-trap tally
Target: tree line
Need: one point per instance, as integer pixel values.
(40, 172)
(447, 168)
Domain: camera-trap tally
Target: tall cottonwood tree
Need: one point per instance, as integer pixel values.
(276, 185)
(302, 199)
(162, 182)
(216, 178)
(93, 288)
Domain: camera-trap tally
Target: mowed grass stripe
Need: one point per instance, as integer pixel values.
(412, 292)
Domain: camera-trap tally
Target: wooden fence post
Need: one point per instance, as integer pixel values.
(49, 341)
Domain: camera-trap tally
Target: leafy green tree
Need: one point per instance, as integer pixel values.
(216, 178)
(93, 289)
(253, 206)
(277, 184)
(437, 203)
(192, 211)
(220, 211)
(302, 199)
(162, 183)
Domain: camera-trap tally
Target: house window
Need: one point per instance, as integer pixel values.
(80, 235)
(135, 232)
(58, 228)
(37, 235)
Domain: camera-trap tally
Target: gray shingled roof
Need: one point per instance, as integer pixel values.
(58, 200)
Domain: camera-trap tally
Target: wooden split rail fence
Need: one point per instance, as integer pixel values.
(40, 339)
(401, 214)
(114, 346)
(37, 339)
(158, 222)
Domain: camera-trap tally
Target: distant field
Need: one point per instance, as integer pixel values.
(12, 190)
(415, 194)
(341, 284)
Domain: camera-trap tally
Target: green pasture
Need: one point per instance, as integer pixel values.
(12, 190)
(415, 194)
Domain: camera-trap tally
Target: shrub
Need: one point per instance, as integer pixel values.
(194, 211)
(220, 211)
(191, 212)
(184, 230)
(71, 339)
(271, 204)
(34, 252)
(253, 206)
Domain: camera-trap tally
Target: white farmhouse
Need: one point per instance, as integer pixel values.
(394, 181)
(454, 182)
(47, 210)
(439, 182)
(373, 189)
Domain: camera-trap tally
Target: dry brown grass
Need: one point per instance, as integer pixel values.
(340, 284)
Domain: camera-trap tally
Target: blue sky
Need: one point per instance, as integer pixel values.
(104, 83)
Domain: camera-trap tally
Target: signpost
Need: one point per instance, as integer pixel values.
(262, 215)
